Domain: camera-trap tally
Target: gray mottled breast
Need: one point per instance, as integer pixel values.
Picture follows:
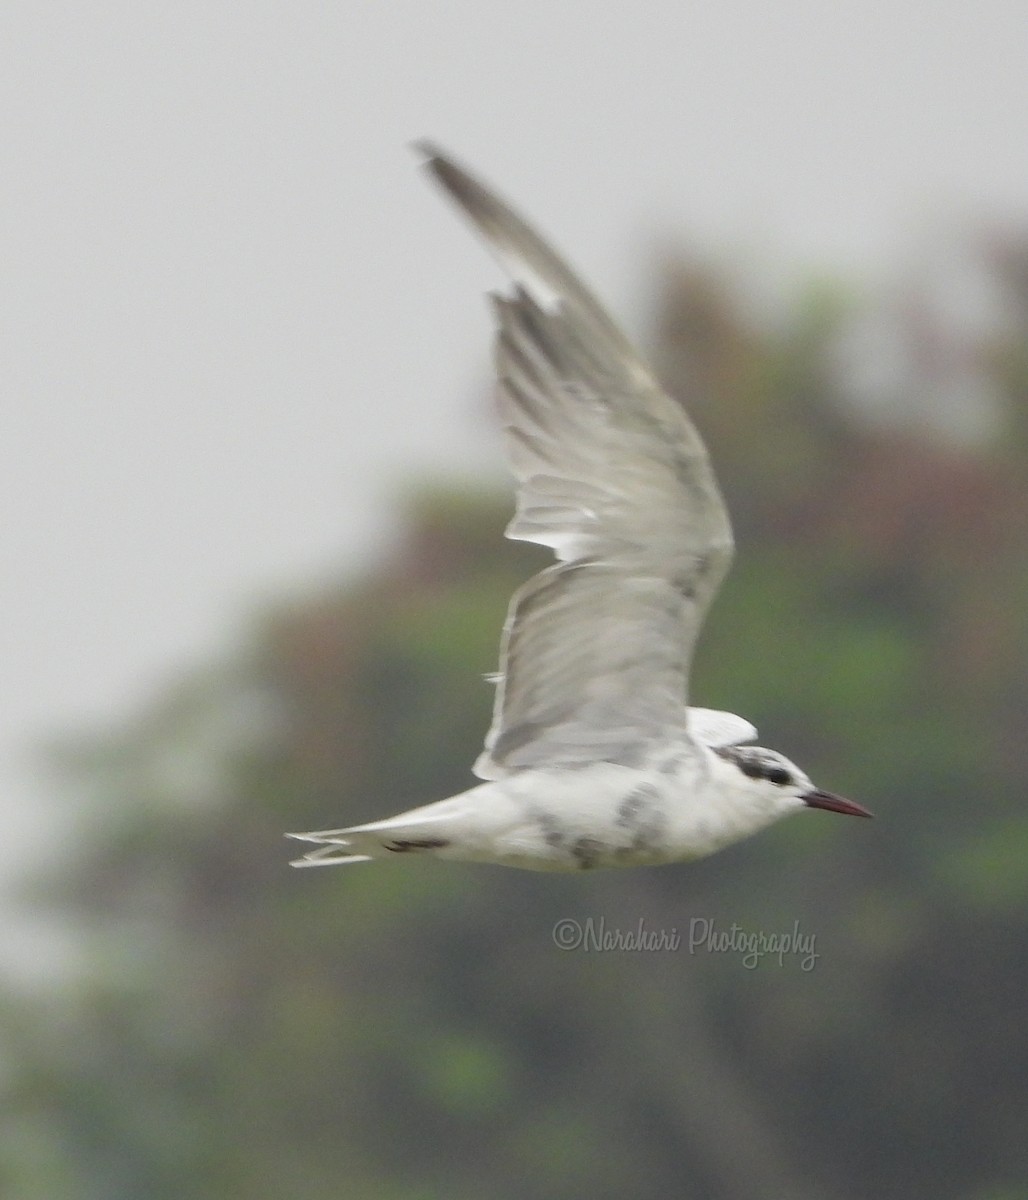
(632, 833)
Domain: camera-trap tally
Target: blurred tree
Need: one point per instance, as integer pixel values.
(234, 1029)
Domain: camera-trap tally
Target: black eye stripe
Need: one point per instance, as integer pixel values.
(757, 763)
(772, 774)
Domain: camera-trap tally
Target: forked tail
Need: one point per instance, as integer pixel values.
(406, 834)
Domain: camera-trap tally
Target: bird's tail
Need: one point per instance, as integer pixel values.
(412, 832)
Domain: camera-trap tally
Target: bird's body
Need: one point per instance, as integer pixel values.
(593, 758)
(679, 806)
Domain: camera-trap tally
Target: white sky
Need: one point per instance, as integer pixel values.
(234, 317)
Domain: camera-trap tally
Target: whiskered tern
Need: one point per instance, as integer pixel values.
(593, 758)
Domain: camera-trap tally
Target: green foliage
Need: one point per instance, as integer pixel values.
(234, 1029)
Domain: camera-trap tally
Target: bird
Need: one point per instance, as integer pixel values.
(594, 757)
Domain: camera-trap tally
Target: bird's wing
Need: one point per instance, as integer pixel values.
(714, 728)
(614, 477)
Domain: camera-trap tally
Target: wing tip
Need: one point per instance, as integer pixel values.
(428, 150)
(444, 168)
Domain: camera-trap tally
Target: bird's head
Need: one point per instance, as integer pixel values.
(781, 783)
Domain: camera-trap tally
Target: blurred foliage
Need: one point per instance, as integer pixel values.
(235, 1030)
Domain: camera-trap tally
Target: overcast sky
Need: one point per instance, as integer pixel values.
(235, 317)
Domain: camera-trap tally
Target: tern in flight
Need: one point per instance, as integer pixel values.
(593, 758)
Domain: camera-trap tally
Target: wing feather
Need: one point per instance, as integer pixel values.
(714, 728)
(613, 476)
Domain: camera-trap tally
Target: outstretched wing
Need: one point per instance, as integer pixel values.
(614, 477)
